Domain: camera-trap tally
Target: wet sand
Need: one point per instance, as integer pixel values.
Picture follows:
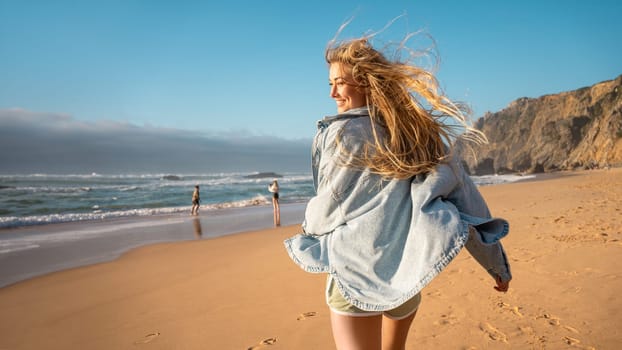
(31, 251)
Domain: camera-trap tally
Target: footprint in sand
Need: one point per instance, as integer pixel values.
(268, 341)
(513, 309)
(447, 320)
(559, 218)
(571, 341)
(552, 320)
(555, 321)
(493, 333)
(305, 315)
(572, 329)
(148, 338)
(526, 330)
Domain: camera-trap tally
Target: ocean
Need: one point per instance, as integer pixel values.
(45, 198)
(35, 199)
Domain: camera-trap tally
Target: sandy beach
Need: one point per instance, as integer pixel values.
(242, 291)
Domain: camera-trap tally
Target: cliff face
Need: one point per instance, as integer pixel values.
(570, 130)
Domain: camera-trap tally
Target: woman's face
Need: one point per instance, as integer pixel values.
(343, 90)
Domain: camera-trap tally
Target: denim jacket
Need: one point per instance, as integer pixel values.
(384, 240)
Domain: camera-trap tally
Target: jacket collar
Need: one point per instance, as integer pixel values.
(352, 113)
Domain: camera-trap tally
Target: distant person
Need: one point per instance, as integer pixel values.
(392, 206)
(274, 189)
(196, 200)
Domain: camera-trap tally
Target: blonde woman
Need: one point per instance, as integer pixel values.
(392, 206)
(196, 200)
(274, 189)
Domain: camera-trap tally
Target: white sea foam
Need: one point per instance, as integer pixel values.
(15, 221)
(499, 179)
(97, 214)
(11, 247)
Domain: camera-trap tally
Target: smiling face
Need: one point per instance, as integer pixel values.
(343, 90)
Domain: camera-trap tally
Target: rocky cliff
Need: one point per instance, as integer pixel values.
(570, 130)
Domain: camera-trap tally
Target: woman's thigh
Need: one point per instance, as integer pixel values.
(357, 332)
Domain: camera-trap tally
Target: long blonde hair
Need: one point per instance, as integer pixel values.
(406, 102)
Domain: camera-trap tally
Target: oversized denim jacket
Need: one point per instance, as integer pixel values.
(381, 240)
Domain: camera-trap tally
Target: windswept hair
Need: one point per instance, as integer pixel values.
(419, 123)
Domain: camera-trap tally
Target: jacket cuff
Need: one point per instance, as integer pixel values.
(491, 256)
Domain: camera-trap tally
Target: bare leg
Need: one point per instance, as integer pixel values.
(277, 211)
(395, 332)
(356, 333)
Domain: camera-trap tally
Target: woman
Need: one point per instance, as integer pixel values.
(196, 200)
(392, 206)
(274, 189)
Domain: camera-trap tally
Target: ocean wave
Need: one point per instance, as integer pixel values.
(16, 247)
(255, 201)
(96, 214)
(50, 189)
(499, 179)
(14, 221)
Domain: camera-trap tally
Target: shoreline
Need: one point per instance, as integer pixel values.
(242, 291)
(40, 249)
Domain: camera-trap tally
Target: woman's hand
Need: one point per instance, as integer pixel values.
(502, 286)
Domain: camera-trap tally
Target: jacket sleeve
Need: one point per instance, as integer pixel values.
(485, 232)
(490, 256)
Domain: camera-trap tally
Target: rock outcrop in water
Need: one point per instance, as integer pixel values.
(171, 177)
(263, 175)
(571, 130)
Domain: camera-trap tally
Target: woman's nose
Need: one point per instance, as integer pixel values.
(333, 91)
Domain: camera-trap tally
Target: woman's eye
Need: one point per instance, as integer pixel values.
(337, 83)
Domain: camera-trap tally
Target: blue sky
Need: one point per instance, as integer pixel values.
(255, 69)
